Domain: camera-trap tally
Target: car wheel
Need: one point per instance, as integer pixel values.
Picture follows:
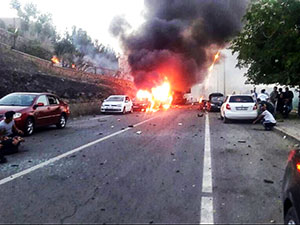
(290, 217)
(62, 122)
(29, 127)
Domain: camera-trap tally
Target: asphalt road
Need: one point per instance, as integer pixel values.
(170, 167)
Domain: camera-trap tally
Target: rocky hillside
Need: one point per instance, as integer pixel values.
(21, 72)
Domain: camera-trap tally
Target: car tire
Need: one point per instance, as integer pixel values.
(62, 122)
(291, 217)
(29, 127)
(226, 120)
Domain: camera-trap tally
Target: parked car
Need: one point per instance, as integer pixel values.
(35, 110)
(141, 105)
(117, 104)
(291, 189)
(238, 107)
(215, 101)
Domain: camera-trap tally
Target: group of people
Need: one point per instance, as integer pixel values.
(10, 136)
(278, 101)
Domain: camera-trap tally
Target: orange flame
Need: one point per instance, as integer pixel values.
(55, 60)
(201, 99)
(159, 96)
(217, 56)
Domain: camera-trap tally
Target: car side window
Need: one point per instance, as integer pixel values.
(42, 99)
(52, 100)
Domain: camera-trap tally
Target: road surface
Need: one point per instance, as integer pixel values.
(165, 167)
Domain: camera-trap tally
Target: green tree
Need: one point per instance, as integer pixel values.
(269, 44)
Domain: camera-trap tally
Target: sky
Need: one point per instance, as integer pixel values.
(94, 16)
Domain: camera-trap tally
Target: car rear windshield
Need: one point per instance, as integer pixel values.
(17, 100)
(115, 99)
(217, 99)
(241, 99)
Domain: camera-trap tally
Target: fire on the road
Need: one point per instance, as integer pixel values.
(159, 96)
(55, 60)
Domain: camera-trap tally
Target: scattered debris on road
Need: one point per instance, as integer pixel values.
(241, 141)
(14, 165)
(119, 119)
(268, 181)
(172, 153)
(139, 132)
(177, 171)
(284, 137)
(249, 146)
(179, 124)
(200, 115)
(112, 126)
(130, 126)
(102, 121)
(272, 221)
(100, 134)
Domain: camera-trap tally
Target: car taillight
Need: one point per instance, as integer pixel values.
(298, 167)
(255, 107)
(228, 106)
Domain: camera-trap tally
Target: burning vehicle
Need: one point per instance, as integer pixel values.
(141, 105)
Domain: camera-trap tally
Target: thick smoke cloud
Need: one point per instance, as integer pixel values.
(178, 39)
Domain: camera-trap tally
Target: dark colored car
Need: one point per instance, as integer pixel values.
(141, 105)
(35, 110)
(291, 189)
(215, 101)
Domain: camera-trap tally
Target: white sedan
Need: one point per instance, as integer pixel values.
(117, 104)
(238, 107)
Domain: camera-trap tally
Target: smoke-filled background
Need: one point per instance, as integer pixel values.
(178, 39)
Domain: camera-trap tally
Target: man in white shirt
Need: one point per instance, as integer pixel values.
(8, 127)
(263, 96)
(268, 119)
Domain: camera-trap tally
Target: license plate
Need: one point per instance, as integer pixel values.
(241, 108)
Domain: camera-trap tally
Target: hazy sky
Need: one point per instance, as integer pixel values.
(94, 16)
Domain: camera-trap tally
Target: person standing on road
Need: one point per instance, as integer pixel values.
(289, 95)
(263, 96)
(274, 96)
(268, 119)
(279, 101)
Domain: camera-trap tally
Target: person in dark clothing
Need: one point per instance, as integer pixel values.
(280, 101)
(289, 95)
(2, 157)
(274, 96)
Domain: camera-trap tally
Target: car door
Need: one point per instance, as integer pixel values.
(54, 110)
(41, 113)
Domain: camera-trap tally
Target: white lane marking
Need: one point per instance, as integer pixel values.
(43, 164)
(207, 210)
(206, 214)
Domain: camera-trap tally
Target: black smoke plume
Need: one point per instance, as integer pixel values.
(178, 39)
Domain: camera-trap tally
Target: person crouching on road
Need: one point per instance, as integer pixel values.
(8, 126)
(268, 119)
(9, 134)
